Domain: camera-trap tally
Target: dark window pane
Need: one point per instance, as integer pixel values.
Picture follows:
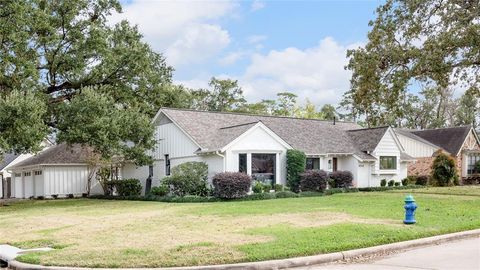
(167, 165)
(242, 163)
(388, 163)
(263, 167)
(313, 164)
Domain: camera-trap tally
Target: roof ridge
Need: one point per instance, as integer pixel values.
(427, 129)
(239, 125)
(360, 129)
(259, 115)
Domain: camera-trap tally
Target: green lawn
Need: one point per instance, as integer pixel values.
(98, 233)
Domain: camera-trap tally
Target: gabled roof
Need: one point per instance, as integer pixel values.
(7, 159)
(367, 139)
(408, 133)
(450, 139)
(213, 130)
(58, 154)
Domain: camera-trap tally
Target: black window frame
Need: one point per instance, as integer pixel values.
(242, 163)
(310, 163)
(388, 157)
(472, 159)
(167, 165)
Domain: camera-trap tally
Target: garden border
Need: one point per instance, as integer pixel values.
(287, 263)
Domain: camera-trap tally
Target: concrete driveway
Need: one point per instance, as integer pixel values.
(458, 255)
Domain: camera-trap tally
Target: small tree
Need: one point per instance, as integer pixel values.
(444, 170)
(296, 160)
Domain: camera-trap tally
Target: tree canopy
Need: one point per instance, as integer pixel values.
(57, 56)
(431, 45)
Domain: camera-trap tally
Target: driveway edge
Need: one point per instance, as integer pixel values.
(288, 263)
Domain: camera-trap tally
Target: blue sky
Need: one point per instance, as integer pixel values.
(269, 46)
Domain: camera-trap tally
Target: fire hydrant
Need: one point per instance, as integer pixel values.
(410, 208)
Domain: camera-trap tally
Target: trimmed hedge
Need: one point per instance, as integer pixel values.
(421, 180)
(296, 161)
(341, 179)
(313, 180)
(189, 178)
(231, 185)
(161, 190)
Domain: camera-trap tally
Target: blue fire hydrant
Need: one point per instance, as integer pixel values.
(410, 208)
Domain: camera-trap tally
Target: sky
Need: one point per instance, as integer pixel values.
(268, 46)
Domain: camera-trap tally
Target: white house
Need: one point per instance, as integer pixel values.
(58, 170)
(257, 145)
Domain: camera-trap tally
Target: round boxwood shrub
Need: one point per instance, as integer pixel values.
(391, 183)
(341, 179)
(421, 180)
(127, 187)
(313, 180)
(383, 182)
(231, 185)
(189, 178)
(257, 187)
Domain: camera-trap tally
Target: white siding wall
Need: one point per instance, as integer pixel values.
(64, 180)
(349, 163)
(387, 147)
(257, 141)
(416, 148)
(39, 185)
(172, 141)
(28, 186)
(18, 186)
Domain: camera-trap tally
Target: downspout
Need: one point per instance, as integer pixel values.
(223, 157)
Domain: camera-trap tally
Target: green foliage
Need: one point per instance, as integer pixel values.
(383, 182)
(477, 167)
(341, 179)
(444, 170)
(278, 187)
(285, 104)
(55, 51)
(405, 46)
(391, 183)
(397, 184)
(225, 95)
(257, 187)
(421, 180)
(161, 190)
(109, 129)
(296, 160)
(189, 178)
(22, 126)
(313, 180)
(127, 187)
(404, 181)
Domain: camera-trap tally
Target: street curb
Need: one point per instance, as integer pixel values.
(286, 263)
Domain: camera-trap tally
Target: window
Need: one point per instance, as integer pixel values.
(472, 160)
(313, 164)
(38, 172)
(18, 175)
(388, 163)
(263, 168)
(27, 173)
(167, 165)
(329, 164)
(242, 163)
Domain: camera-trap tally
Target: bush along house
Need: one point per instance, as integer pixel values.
(462, 143)
(257, 145)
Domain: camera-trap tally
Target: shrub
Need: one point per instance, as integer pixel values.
(411, 180)
(70, 196)
(332, 191)
(295, 166)
(471, 180)
(231, 185)
(55, 196)
(397, 184)
(286, 194)
(391, 183)
(257, 187)
(161, 190)
(313, 180)
(383, 182)
(40, 198)
(278, 187)
(267, 187)
(341, 179)
(84, 195)
(259, 196)
(444, 170)
(421, 180)
(404, 181)
(189, 178)
(127, 187)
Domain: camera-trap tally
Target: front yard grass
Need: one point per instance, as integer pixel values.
(101, 233)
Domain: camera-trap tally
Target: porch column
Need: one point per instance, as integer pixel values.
(277, 169)
(249, 164)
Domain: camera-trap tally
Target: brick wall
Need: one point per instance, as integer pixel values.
(422, 166)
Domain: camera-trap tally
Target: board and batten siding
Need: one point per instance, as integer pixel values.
(416, 148)
(387, 147)
(172, 141)
(64, 180)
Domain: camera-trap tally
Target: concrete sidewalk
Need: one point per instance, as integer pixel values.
(458, 255)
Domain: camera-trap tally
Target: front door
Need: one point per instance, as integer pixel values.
(334, 161)
(9, 188)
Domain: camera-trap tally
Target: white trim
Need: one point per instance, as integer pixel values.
(250, 130)
(176, 124)
(466, 137)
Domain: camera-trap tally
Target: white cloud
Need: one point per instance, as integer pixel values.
(256, 5)
(255, 39)
(172, 27)
(316, 73)
(231, 58)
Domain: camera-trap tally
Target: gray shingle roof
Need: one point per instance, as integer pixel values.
(58, 154)
(367, 139)
(7, 159)
(450, 139)
(213, 130)
(408, 133)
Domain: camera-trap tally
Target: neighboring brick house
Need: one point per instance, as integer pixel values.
(462, 143)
